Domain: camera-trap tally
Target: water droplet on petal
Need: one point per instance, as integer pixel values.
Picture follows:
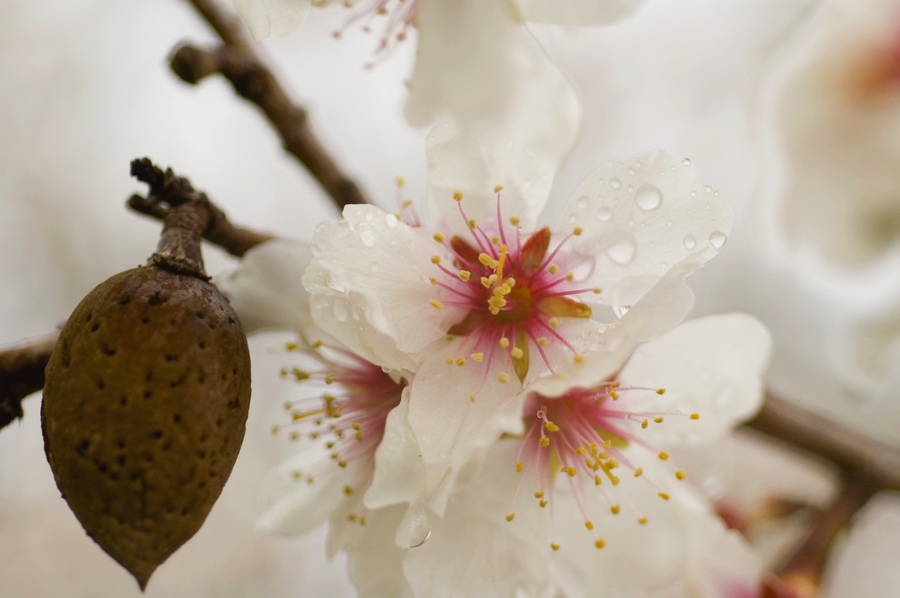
(686, 162)
(615, 183)
(339, 310)
(648, 197)
(367, 236)
(604, 214)
(717, 239)
(669, 222)
(623, 251)
(621, 310)
(419, 530)
(707, 188)
(581, 201)
(690, 242)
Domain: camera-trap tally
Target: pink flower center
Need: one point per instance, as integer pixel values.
(581, 436)
(348, 418)
(514, 292)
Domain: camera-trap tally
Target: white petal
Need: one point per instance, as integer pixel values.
(577, 13)
(375, 562)
(712, 366)
(507, 115)
(641, 215)
(266, 289)
(265, 16)
(297, 506)
(369, 287)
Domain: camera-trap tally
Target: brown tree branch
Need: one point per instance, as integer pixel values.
(168, 190)
(22, 373)
(238, 62)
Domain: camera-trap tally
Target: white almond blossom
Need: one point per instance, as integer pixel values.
(834, 114)
(483, 313)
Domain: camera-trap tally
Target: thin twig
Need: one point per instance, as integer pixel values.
(22, 373)
(238, 62)
(854, 453)
(168, 190)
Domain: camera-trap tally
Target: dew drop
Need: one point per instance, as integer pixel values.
(630, 171)
(615, 183)
(339, 310)
(582, 201)
(690, 242)
(717, 239)
(648, 197)
(669, 222)
(604, 214)
(686, 162)
(707, 188)
(367, 236)
(630, 188)
(419, 530)
(623, 251)
(621, 310)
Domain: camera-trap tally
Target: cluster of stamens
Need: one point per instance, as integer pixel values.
(348, 418)
(580, 435)
(514, 293)
(398, 15)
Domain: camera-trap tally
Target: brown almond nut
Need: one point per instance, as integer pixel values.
(144, 410)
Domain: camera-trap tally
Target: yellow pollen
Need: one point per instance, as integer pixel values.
(296, 475)
(487, 260)
(514, 220)
(504, 342)
(658, 420)
(291, 346)
(680, 474)
(464, 275)
(663, 456)
(275, 430)
(503, 377)
(498, 188)
(400, 181)
(552, 268)
(542, 341)
(472, 398)
(645, 423)
(519, 466)
(439, 237)
(539, 494)
(486, 282)
(460, 361)
(362, 519)
(448, 360)
(348, 490)
(351, 517)
(551, 427)
(435, 259)
(597, 479)
(638, 472)
(511, 516)
(517, 353)
(660, 391)
(406, 203)
(342, 464)
(589, 525)
(616, 384)
(432, 280)
(436, 304)
(472, 224)
(663, 495)
(544, 442)
(600, 543)
(614, 395)
(570, 276)
(569, 470)
(597, 290)
(695, 416)
(457, 196)
(495, 240)
(614, 509)
(329, 379)
(479, 357)
(317, 344)
(543, 503)
(577, 231)
(579, 359)
(642, 520)
(554, 546)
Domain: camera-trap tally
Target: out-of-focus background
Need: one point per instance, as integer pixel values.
(85, 88)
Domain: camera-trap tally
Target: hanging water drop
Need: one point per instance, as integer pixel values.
(621, 310)
(717, 239)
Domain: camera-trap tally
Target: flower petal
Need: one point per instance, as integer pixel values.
(711, 366)
(266, 289)
(369, 287)
(376, 564)
(577, 13)
(641, 215)
(265, 16)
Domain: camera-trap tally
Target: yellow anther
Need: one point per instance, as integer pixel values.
(436, 304)
(275, 430)
(292, 346)
(472, 398)
(544, 441)
(597, 479)
(554, 546)
(663, 495)
(570, 276)
(401, 182)
(503, 377)
(329, 379)
(638, 472)
(296, 475)
(660, 391)
(504, 342)
(616, 384)
(614, 509)
(498, 188)
(362, 519)
(552, 268)
(479, 357)
(568, 469)
(351, 517)
(597, 290)
(406, 203)
(348, 490)
(514, 220)
(589, 525)
(495, 240)
(317, 344)
(457, 196)
(342, 464)
(511, 516)
(579, 359)
(543, 503)
(432, 280)
(519, 466)
(465, 275)
(642, 520)
(580, 450)
(517, 353)
(486, 282)
(539, 494)
(695, 416)
(645, 423)
(449, 360)
(577, 231)
(460, 361)
(542, 341)
(472, 224)
(551, 427)
(600, 543)
(663, 456)
(435, 259)
(439, 237)
(680, 474)
(614, 395)
(658, 420)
